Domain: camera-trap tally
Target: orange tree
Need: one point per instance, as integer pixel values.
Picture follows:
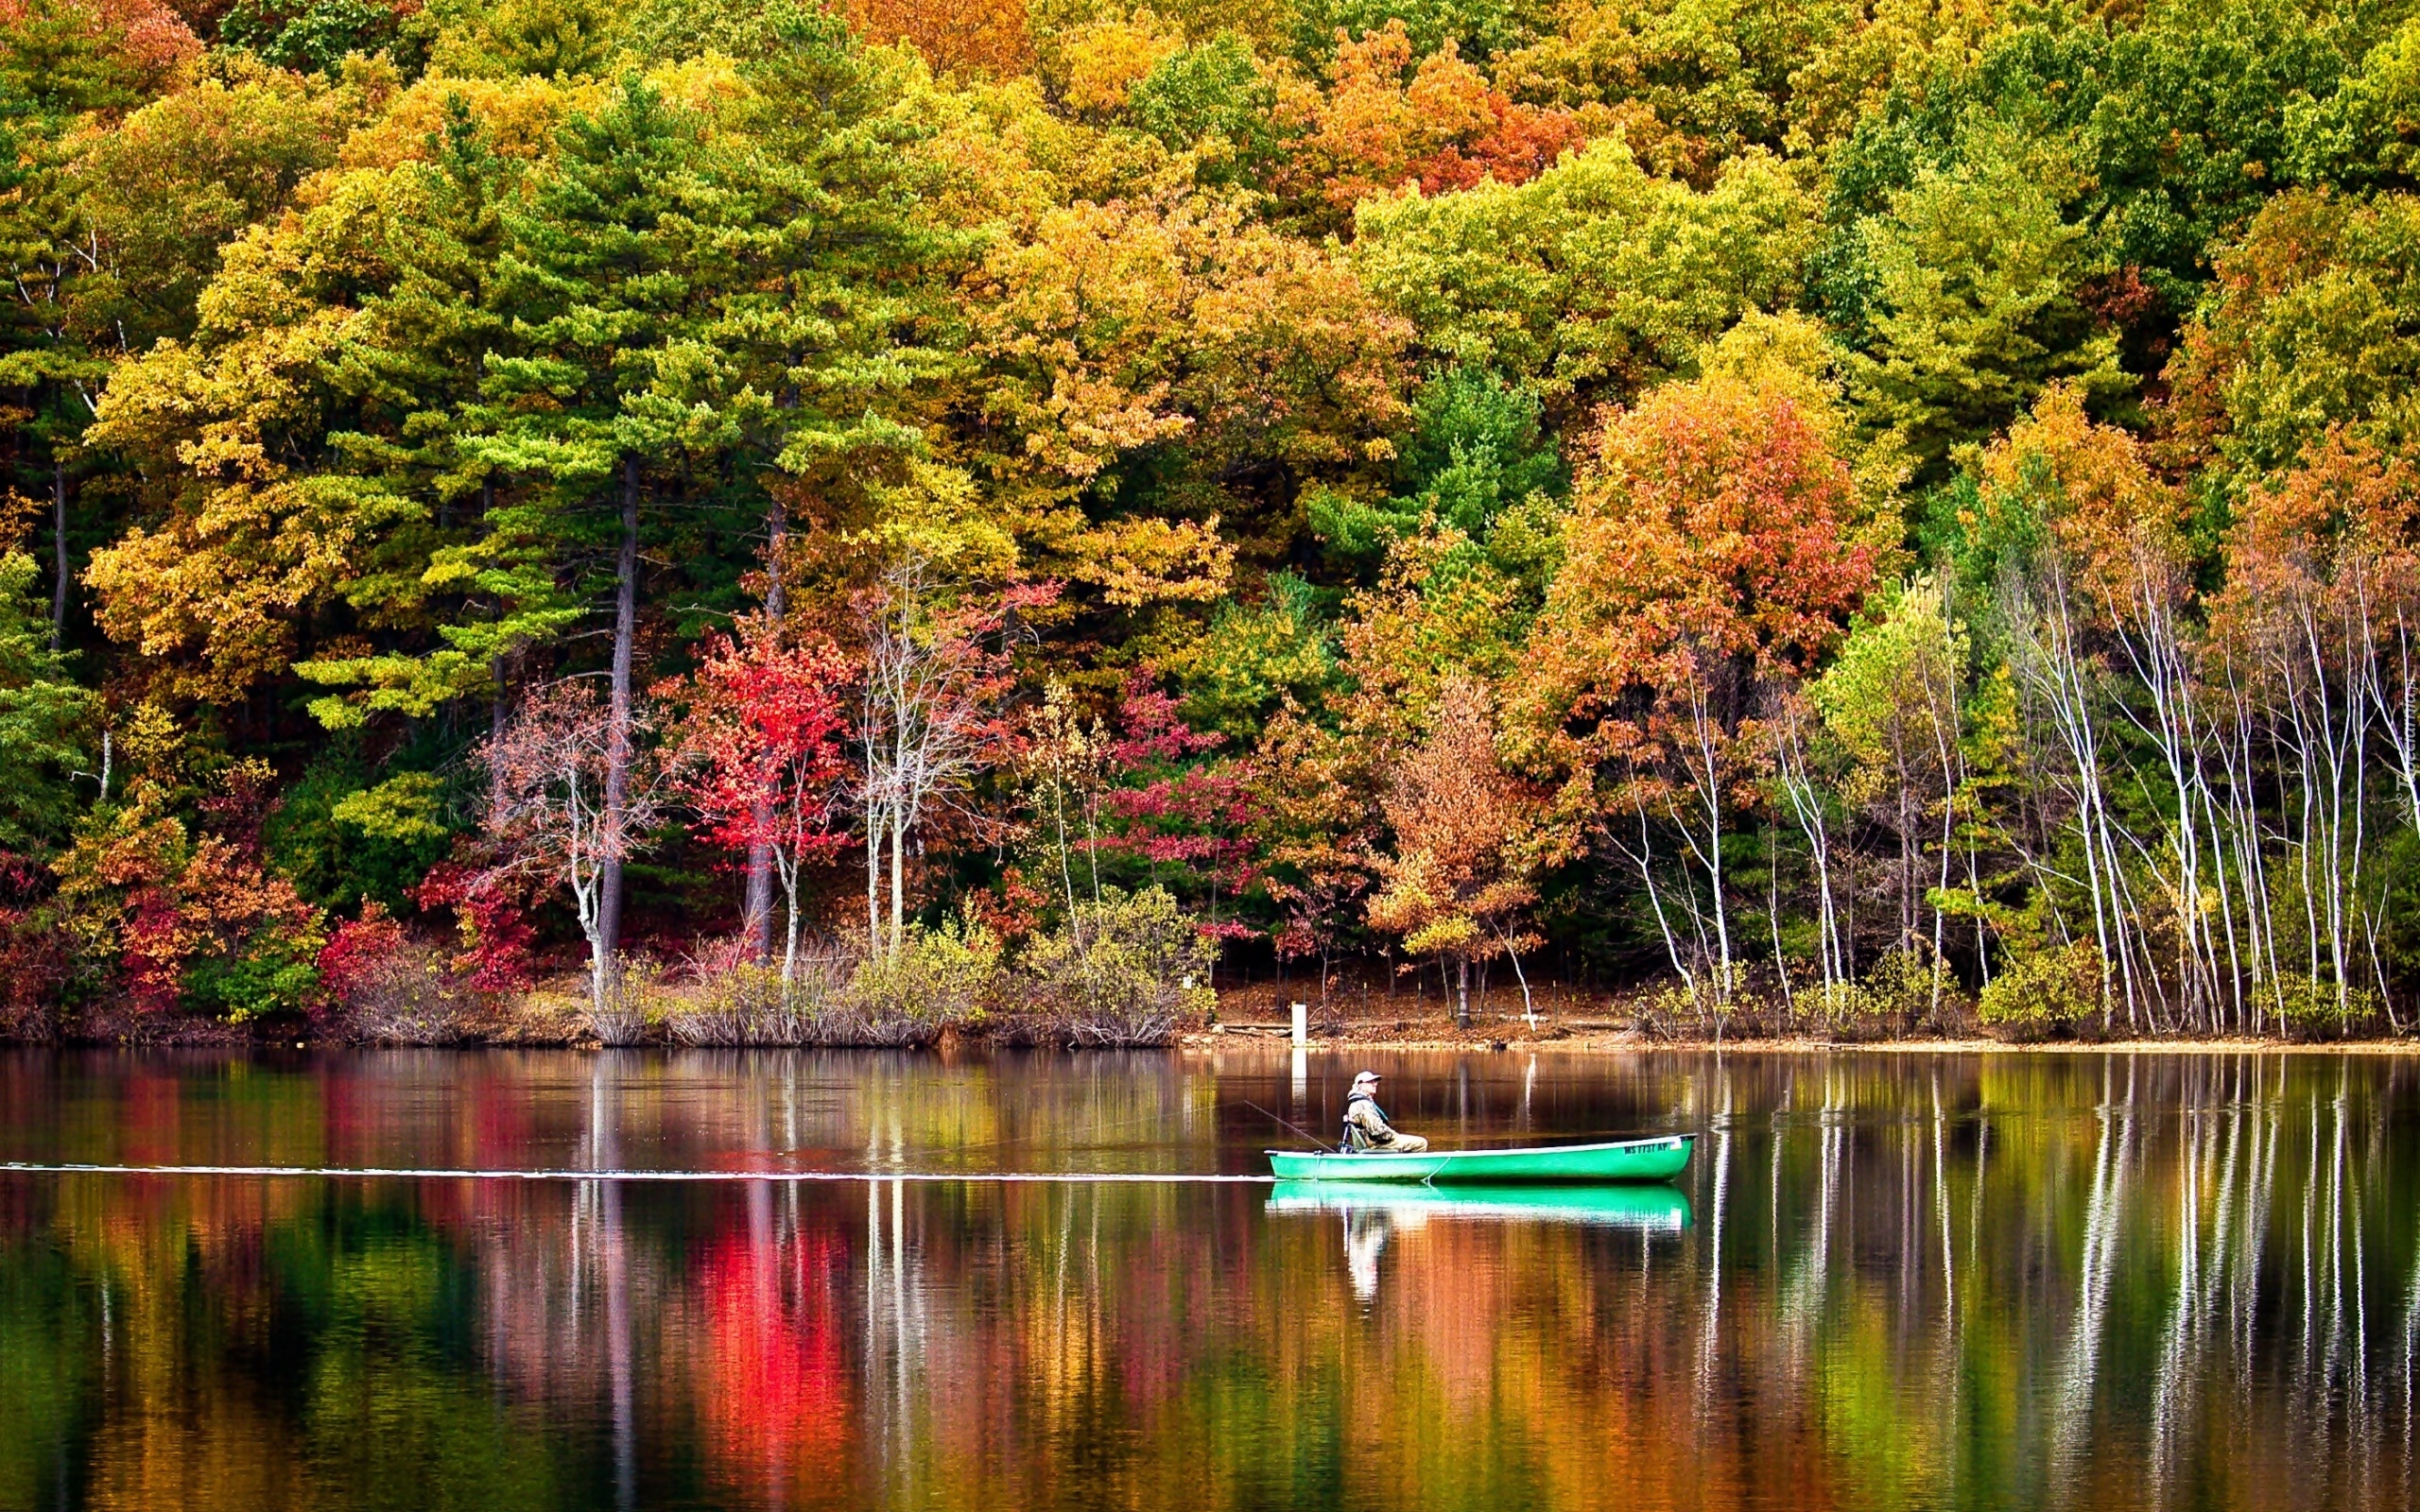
(1469, 842)
(1717, 541)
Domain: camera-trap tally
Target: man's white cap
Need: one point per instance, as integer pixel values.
(1367, 1075)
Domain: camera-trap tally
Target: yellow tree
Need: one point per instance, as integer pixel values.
(1242, 363)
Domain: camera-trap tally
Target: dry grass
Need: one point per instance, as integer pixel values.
(412, 998)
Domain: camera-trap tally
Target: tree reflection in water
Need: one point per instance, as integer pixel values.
(2022, 1279)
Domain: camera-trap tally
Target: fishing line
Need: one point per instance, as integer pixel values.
(1317, 1142)
(432, 1173)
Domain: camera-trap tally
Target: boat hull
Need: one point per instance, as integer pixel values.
(1656, 1159)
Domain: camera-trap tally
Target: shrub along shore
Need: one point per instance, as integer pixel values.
(1147, 985)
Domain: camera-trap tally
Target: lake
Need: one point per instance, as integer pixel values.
(1888, 1280)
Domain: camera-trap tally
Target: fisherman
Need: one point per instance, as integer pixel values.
(1366, 1126)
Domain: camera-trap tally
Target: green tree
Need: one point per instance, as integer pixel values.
(1974, 308)
(1891, 701)
(344, 837)
(1478, 28)
(51, 356)
(609, 271)
(316, 35)
(2315, 323)
(2367, 132)
(687, 300)
(550, 39)
(479, 560)
(1476, 452)
(60, 59)
(1214, 99)
(1253, 658)
(173, 185)
(310, 496)
(46, 719)
(2175, 128)
(1593, 278)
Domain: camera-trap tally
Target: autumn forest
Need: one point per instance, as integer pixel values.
(752, 521)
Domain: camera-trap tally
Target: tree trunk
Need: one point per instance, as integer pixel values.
(898, 876)
(59, 552)
(495, 738)
(498, 712)
(757, 909)
(759, 906)
(789, 951)
(873, 881)
(1528, 1005)
(1463, 997)
(618, 751)
(599, 978)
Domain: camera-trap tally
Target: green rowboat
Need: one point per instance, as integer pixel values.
(1655, 1159)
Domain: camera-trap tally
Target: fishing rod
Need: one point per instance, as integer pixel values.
(1288, 1122)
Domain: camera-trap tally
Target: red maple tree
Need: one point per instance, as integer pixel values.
(760, 758)
(1178, 805)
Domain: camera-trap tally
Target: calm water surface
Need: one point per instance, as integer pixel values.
(1887, 1280)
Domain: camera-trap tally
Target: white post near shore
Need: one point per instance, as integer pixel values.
(1302, 1023)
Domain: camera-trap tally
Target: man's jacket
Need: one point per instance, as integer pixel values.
(1365, 1126)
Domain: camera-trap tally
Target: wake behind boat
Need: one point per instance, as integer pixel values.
(1652, 1160)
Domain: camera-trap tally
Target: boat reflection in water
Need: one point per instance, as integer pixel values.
(1374, 1212)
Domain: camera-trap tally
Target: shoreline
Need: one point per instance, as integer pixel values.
(1621, 1044)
